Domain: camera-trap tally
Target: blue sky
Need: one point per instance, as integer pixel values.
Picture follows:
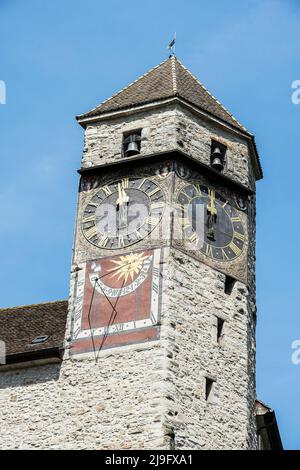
(60, 58)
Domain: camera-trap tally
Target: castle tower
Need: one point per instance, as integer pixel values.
(161, 326)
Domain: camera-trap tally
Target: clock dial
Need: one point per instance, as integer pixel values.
(210, 223)
(123, 213)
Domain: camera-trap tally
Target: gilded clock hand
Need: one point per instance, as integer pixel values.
(211, 207)
(212, 214)
(122, 203)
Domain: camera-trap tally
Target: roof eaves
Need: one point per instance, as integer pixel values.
(22, 307)
(212, 96)
(83, 118)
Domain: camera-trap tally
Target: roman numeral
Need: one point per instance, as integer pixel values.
(181, 208)
(154, 191)
(152, 221)
(92, 218)
(138, 234)
(153, 318)
(155, 287)
(208, 251)
(155, 272)
(106, 190)
(103, 241)
(157, 205)
(91, 232)
(119, 327)
(121, 241)
(194, 238)
(224, 255)
(225, 204)
(198, 189)
(236, 250)
(239, 236)
(184, 221)
(186, 195)
(143, 181)
(235, 219)
(125, 183)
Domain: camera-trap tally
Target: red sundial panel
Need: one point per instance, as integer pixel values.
(118, 301)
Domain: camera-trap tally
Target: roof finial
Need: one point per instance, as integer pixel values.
(172, 46)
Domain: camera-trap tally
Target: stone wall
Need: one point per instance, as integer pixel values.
(196, 298)
(172, 127)
(149, 396)
(114, 404)
(152, 396)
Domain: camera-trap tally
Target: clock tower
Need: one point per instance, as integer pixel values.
(162, 311)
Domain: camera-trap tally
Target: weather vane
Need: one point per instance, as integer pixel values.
(172, 46)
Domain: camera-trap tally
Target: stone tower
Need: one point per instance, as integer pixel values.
(161, 325)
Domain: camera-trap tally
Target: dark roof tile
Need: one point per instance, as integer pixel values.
(167, 80)
(20, 325)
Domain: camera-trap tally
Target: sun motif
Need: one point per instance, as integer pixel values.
(128, 266)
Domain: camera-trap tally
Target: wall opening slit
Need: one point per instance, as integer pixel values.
(220, 330)
(209, 383)
(229, 284)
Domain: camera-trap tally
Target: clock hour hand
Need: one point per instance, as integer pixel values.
(211, 214)
(211, 207)
(122, 202)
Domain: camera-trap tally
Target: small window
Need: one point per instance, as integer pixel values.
(132, 143)
(39, 339)
(229, 285)
(220, 330)
(209, 385)
(218, 155)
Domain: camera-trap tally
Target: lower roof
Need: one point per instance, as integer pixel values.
(19, 326)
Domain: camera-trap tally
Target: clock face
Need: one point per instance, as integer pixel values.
(122, 213)
(210, 223)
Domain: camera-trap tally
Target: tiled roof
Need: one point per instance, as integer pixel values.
(169, 79)
(20, 325)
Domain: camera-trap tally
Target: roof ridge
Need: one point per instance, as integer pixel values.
(32, 305)
(210, 94)
(123, 89)
(174, 74)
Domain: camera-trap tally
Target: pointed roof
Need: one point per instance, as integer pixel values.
(167, 80)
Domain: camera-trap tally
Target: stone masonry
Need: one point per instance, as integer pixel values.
(152, 395)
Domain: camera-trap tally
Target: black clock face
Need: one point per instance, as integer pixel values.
(210, 223)
(123, 213)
